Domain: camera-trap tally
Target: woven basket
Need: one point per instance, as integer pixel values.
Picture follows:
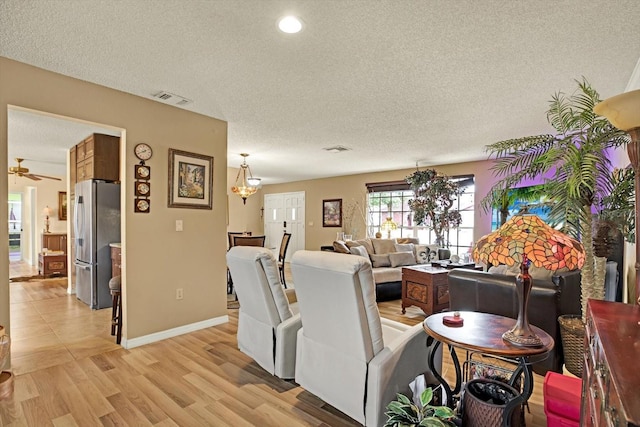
(572, 334)
(478, 411)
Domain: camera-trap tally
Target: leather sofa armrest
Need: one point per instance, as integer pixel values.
(569, 285)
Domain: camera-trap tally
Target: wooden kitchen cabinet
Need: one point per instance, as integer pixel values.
(96, 157)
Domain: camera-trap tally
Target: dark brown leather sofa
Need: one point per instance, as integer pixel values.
(472, 290)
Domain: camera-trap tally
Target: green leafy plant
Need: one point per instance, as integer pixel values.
(576, 162)
(432, 205)
(403, 413)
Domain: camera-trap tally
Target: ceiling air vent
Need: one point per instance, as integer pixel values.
(336, 149)
(172, 99)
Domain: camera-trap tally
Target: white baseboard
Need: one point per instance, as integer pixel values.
(170, 333)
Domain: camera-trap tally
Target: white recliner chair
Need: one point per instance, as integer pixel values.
(267, 323)
(347, 354)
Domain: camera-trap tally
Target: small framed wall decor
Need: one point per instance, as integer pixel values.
(142, 205)
(332, 213)
(142, 172)
(143, 188)
(190, 180)
(62, 205)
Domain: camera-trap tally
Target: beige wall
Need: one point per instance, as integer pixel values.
(351, 188)
(243, 217)
(156, 258)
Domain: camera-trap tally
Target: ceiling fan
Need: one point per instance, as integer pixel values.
(24, 172)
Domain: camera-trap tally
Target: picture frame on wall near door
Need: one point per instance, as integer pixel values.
(62, 205)
(332, 213)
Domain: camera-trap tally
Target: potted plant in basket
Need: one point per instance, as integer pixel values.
(403, 412)
(575, 158)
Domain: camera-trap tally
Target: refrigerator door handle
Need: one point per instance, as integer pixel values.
(76, 222)
(82, 265)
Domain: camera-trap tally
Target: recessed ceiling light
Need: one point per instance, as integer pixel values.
(290, 24)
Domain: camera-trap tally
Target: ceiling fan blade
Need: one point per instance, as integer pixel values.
(31, 176)
(38, 177)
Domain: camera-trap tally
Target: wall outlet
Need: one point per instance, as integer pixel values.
(178, 225)
(179, 293)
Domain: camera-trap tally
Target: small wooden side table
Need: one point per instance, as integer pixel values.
(426, 287)
(482, 333)
(50, 265)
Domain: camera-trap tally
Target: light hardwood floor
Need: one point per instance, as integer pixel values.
(70, 372)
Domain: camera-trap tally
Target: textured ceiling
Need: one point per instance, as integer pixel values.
(398, 82)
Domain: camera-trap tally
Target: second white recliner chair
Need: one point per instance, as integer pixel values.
(348, 355)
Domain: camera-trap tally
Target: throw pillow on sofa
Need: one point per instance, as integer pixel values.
(426, 253)
(340, 247)
(398, 259)
(383, 246)
(380, 260)
(404, 247)
(359, 250)
(363, 242)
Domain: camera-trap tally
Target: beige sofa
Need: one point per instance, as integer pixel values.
(387, 257)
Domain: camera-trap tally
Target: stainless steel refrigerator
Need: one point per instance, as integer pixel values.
(96, 224)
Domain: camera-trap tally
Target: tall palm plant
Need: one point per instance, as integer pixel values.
(576, 159)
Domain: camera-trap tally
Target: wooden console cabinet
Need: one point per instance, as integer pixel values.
(610, 378)
(52, 265)
(54, 242)
(426, 287)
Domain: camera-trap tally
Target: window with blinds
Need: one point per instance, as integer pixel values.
(391, 200)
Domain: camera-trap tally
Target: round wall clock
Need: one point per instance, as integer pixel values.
(143, 151)
(143, 172)
(142, 205)
(143, 188)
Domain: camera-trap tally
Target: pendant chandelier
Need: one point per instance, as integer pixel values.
(247, 186)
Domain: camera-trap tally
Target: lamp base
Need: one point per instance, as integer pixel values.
(522, 340)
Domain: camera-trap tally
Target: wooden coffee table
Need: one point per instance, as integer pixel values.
(426, 287)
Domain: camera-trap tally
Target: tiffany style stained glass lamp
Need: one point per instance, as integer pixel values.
(526, 239)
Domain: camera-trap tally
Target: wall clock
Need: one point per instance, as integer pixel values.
(143, 188)
(142, 172)
(143, 152)
(142, 205)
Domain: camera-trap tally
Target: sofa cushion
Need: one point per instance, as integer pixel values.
(359, 250)
(362, 242)
(402, 258)
(380, 260)
(387, 274)
(403, 240)
(405, 247)
(340, 247)
(383, 246)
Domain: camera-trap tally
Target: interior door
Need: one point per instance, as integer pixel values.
(284, 212)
